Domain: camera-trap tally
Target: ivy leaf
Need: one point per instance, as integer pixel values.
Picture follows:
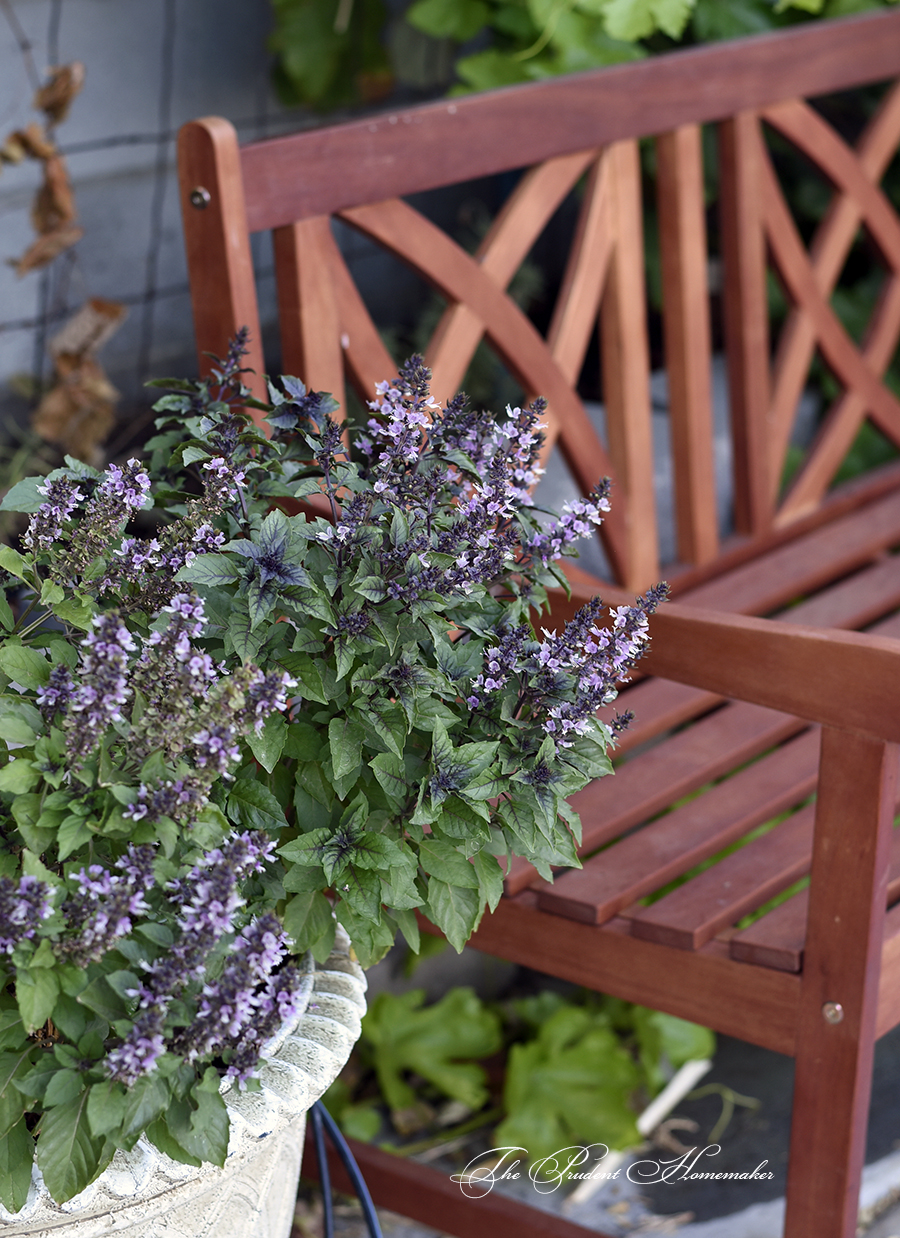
(434, 1042)
(572, 1084)
(67, 1154)
(631, 20)
(16, 1157)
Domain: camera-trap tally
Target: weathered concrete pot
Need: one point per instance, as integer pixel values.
(145, 1194)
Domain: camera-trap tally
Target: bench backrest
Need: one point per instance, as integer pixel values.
(585, 129)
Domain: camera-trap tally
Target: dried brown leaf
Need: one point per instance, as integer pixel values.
(79, 412)
(89, 328)
(56, 95)
(54, 202)
(47, 247)
(12, 150)
(34, 140)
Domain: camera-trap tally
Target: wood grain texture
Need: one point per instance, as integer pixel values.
(517, 226)
(848, 889)
(424, 1194)
(693, 913)
(403, 152)
(682, 235)
(307, 307)
(220, 265)
(626, 374)
(707, 986)
(746, 317)
(670, 846)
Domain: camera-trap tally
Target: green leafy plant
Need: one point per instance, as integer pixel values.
(222, 726)
(576, 1070)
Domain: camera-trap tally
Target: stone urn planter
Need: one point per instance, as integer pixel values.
(145, 1194)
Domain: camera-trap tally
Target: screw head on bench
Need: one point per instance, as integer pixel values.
(200, 198)
(833, 1012)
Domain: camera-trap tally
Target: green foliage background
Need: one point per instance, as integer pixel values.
(333, 53)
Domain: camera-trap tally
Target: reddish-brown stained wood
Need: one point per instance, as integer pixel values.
(777, 940)
(845, 932)
(307, 309)
(626, 370)
(665, 849)
(220, 265)
(746, 317)
(806, 564)
(839, 679)
(512, 234)
(575, 312)
(692, 914)
(706, 986)
(828, 252)
(889, 982)
(424, 1194)
(682, 234)
(403, 152)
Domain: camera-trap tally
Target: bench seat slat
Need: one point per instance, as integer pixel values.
(804, 565)
(777, 939)
(675, 843)
(655, 779)
(693, 913)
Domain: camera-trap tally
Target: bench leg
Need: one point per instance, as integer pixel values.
(839, 996)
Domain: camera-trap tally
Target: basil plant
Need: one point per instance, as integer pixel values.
(263, 680)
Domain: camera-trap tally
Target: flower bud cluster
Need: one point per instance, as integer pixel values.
(103, 687)
(119, 493)
(576, 521)
(104, 906)
(245, 1005)
(561, 681)
(23, 905)
(62, 497)
(207, 901)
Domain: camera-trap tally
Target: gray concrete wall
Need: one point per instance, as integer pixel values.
(151, 65)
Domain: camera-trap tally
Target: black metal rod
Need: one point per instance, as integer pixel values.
(371, 1216)
(324, 1176)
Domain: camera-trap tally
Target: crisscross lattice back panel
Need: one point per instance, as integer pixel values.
(584, 130)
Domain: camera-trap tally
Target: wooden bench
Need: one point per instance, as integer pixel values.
(759, 650)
